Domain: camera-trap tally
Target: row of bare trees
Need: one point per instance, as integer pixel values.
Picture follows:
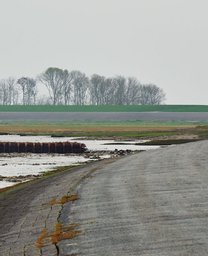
(75, 88)
(22, 91)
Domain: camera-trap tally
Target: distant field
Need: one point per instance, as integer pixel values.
(106, 108)
(125, 130)
(125, 124)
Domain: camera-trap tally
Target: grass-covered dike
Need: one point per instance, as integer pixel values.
(105, 108)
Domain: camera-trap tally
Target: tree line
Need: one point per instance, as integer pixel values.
(75, 88)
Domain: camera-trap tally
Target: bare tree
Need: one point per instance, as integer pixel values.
(109, 92)
(29, 90)
(74, 87)
(9, 93)
(102, 90)
(151, 95)
(80, 84)
(97, 90)
(53, 79)
(132, 91)
(119, 84)
(123, 91)
(67, 86)
(13, 91)
(4, 93)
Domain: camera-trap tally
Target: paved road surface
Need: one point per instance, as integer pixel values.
(26, 212)
(102, 116)
(151, 203)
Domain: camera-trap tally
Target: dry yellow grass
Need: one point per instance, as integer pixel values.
(64, 199)
(41, 239)
(60, 233)
(8, 128)
(105, 130)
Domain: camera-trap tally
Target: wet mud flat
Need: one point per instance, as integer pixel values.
(16, 168)
(33, 156)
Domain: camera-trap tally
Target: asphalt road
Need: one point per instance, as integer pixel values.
(102, 116)
(153, 203)
(26, 211)
(150, 203)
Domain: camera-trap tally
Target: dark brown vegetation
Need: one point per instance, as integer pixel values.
(58, 147)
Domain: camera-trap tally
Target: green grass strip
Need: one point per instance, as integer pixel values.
(105, 108)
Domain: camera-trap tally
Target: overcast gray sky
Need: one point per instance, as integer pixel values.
(160, 41)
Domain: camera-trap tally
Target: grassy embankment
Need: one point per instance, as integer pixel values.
(106, 108)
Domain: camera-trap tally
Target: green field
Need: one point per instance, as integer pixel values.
(106, 108)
